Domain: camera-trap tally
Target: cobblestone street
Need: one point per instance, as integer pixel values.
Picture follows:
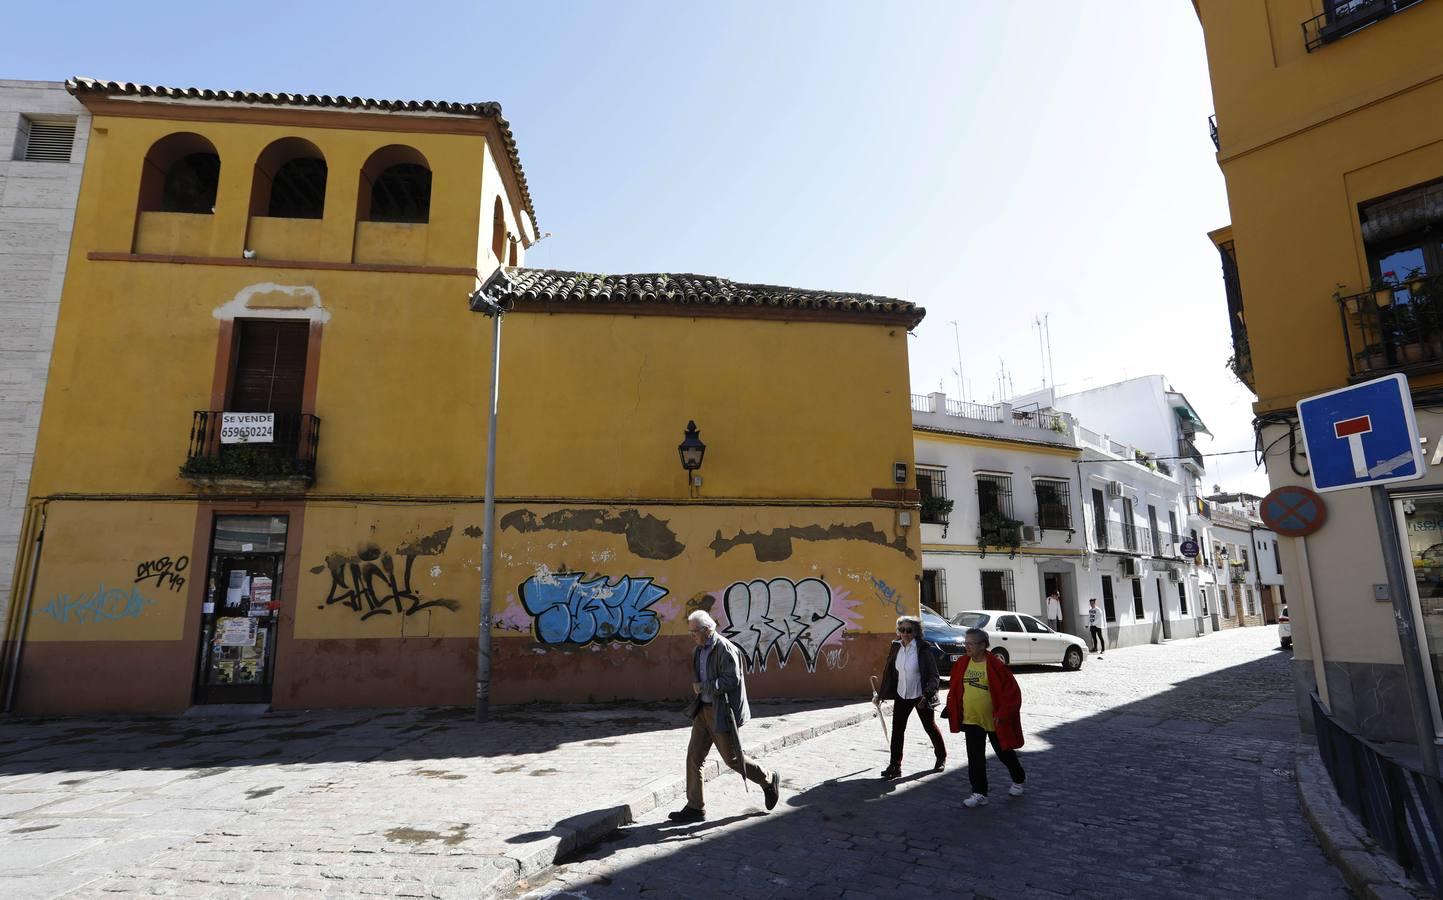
(1159, 771)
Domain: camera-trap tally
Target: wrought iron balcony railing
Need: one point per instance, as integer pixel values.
(1344, 17)
(1395, 327)
(1213, 131)
(1189, 452)
(290, 455)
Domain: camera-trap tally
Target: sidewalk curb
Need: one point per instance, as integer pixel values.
(585, 831)
(1368, 869)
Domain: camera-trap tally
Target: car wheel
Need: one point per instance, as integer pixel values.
(1002, 655)
(1072, 659)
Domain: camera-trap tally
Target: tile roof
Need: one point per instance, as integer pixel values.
(523, 286)
(485, 110)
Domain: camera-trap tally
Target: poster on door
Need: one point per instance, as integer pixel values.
(260, 596)
(236, 632)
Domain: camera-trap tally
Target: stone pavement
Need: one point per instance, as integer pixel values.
(1159, 771)
(393, 802)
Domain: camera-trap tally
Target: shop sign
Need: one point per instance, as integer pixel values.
(1188, 548)
(247, 428)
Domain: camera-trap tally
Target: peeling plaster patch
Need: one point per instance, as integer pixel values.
(433, 544)
(435, 571)
(471, 531)
(646, 536)
(776, 545)
(277, 301)
(602, 556)
(544, 575)
(704, 601)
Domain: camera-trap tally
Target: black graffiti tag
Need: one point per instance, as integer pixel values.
(165, 571)
(367, 584)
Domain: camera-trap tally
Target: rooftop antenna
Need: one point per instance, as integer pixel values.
(957, 341)
(1041, 349)
(1047, 328)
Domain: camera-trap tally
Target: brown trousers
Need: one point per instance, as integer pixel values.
(703, 736)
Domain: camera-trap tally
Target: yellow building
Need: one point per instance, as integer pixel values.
(247, 268)
(1329, 125)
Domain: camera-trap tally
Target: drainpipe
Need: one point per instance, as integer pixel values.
(24, 615)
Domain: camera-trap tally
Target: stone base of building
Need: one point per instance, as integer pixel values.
(1368, 699)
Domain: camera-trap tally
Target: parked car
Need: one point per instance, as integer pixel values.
(944, 640)
(1285, 630)
(1023, 640)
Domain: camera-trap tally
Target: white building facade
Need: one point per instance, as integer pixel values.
(43, 132)
(1014, 531)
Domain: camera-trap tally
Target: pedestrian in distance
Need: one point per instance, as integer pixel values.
(717, 711)
(1096, 626)
(910, 680)
(984, 702)
(1054, 610)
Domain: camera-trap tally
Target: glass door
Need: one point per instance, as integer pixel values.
(1420, 523)
(241, 609)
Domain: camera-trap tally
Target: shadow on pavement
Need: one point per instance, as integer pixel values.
(35, 745)
(1184, 794)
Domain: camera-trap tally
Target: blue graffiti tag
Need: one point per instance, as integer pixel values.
(571, 611)
(105, 605)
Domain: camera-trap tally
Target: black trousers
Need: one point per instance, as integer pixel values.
(901, 710)
(977, 738)
(1099, 639)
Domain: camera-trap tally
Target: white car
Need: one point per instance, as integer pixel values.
(1021, 640)
(1285, 630)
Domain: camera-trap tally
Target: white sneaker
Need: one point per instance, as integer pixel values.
(975, 801)
(1015, 790)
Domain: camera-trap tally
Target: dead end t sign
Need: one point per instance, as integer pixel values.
(1362, 435)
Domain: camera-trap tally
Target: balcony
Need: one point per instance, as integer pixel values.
(1213, 132)
(1346, 17)
(220, 461)
(1190, 454)
(1394, 327)
(1121, 538)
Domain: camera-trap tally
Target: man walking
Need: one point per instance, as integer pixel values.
(985, 703)
(1096, 625)
(718, 709)
(1054, 610)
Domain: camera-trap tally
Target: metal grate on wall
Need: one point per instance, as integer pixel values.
(45, 138)
(994, 493)
(997, 590)
(932, 483)
(1054, 503)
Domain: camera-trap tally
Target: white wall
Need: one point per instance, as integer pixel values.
(37, 212)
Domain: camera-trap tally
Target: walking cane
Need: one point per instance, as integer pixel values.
(737, 735)
(881, 720)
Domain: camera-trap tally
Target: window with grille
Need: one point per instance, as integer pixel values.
(932, 483)
(934, 591)
(1137, 612)
(45, 138)
(994, 495)
(1054, 504)
(997, 590)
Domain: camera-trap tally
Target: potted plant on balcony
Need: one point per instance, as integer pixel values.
(999, 530)
(1382, 289)
(935, 511)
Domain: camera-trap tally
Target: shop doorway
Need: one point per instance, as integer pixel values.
(238, 622)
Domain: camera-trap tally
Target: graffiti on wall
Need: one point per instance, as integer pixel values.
(104, 605)
(568, 610)
(370, 583)
(781, 615)
(165, 571)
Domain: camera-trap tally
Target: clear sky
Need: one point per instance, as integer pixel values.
(993, 162)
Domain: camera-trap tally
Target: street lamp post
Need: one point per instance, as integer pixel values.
(492, 310)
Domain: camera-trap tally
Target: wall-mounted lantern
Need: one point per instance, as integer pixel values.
(691, 449)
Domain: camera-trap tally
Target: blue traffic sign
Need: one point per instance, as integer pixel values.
(1362, 435)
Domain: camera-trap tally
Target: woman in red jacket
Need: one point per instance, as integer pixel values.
(985, 703)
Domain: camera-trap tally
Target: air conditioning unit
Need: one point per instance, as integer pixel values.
(1031, 534)
(1129, 568)
(1116, 490)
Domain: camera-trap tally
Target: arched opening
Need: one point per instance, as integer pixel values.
(290, 181)
(180, 174)
(498, 232)
(395, 186)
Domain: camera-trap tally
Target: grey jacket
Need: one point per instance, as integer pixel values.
(728, 681)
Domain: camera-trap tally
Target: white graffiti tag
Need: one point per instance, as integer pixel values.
(779, 613)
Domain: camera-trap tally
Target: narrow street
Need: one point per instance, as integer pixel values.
(1158, 771)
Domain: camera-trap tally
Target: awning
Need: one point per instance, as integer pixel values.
(1186, 412)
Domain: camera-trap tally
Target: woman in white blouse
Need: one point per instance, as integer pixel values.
(910, 681)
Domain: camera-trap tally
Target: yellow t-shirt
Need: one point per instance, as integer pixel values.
(976, 699)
